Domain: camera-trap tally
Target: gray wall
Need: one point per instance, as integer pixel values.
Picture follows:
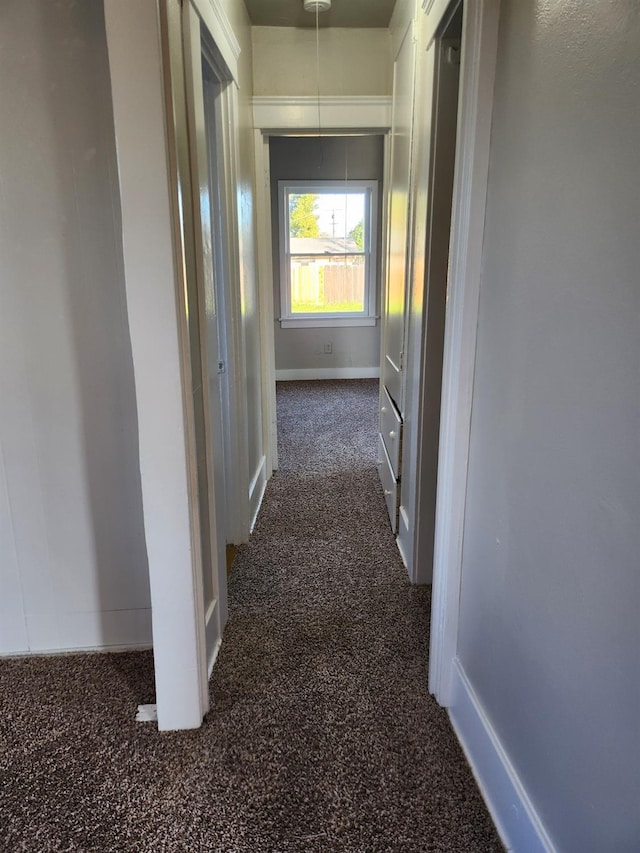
(73, 566)
(359, 158)
(550, 607)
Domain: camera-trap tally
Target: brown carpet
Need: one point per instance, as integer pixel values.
(322, 735)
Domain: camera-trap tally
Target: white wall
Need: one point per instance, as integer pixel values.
(352, 61)
(73, 565)
(550, 630)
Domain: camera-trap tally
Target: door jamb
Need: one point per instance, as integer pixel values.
(477, 77)
(146, 62)
(275, 117)
(264, 251)
(216, 45)
(145, 53)
(218, 32)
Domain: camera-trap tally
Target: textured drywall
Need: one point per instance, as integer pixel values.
(73, 565)
(549, 629)
(352, 61)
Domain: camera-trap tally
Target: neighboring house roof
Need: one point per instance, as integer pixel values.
(321, 245)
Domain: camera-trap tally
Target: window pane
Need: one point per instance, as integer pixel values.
(326, 242)
(322, 284)
(325, 215)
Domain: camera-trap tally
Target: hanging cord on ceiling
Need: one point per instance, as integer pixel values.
(346, 178)
(318, 64)
(346, 158)
(318, 85)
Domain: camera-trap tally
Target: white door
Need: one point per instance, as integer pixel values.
(394, 308)
(219, 304)
(208, 246)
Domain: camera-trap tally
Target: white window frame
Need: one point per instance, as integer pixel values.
(368, 317)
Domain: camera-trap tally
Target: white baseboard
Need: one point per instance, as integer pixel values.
(400, 547)
(513, 813)
(256, 491)
(403, 538)
(85, 631)
(214, 657)
(102, 650)
(328, 373)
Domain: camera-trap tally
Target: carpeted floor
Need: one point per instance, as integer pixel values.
(322, 735)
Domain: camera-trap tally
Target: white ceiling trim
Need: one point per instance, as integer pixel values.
(278, 113)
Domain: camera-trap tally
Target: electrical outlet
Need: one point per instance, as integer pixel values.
(328, 349)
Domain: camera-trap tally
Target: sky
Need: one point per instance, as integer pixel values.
(349, 205)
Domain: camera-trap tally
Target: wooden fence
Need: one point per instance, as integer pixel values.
(323, 284)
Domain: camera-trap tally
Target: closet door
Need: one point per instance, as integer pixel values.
(400, 171)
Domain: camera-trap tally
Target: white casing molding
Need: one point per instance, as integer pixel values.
(215, 20)
(328, 113)
(145, 44)
(265, 296)
(256, 491)
(328, 373)
(278, 116)
(477, 75)
(513, 813)
(152, 276)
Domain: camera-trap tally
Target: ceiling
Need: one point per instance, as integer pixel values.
(343, 13)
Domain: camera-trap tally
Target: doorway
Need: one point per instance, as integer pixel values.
(437, 174)
(211, 107)
(325, 262)
(326, 203)
(275, 120)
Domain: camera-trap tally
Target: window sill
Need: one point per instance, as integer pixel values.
(325, 322)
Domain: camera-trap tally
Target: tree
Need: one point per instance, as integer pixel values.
(303, 221)
(357, 235)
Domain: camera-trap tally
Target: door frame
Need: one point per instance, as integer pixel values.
(430, 228)
(283, 116)
(204, 23)
(236, 463)
(404, 36)
(475, 105)
(146, 63)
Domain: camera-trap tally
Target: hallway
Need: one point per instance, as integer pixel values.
(322, 735)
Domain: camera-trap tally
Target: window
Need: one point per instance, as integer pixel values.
(327, 253)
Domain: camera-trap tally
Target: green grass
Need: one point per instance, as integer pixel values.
(336, 308)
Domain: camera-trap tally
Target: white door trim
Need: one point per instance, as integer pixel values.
(220, 33)
(200, 27)
(238, 486)
(219, 27)
(150, 177)
(477, 76)
(264, 265)
(274, 117)
(146, 63)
